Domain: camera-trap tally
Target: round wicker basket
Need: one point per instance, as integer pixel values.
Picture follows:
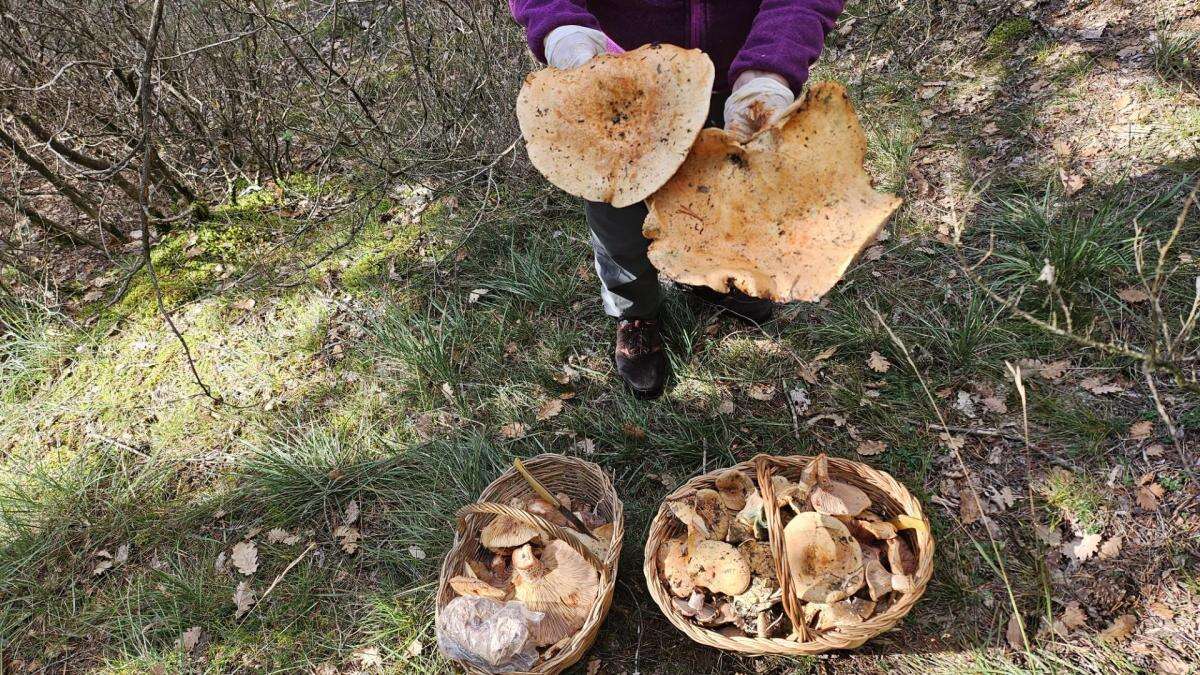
(583, 481)
(888, 497)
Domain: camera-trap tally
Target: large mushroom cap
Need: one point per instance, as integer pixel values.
(672, 564)
(615, 129)
(824, 561)
(719, 567)
(781, 216)
(464, 585)
(562, 584)
(504, 532)
(734, 486)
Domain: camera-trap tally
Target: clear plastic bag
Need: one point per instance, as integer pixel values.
(490, 635)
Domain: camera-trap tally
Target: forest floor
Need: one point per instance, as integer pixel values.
(392, 361)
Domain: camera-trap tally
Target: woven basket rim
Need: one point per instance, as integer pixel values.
(469, 523)
(842, 637)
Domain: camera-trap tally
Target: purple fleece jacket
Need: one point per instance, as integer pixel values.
(779, 36)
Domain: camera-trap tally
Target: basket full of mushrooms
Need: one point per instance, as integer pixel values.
(528, 581)
(788, 555)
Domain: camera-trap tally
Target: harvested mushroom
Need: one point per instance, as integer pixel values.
(760, 596)
(746, 524)
(560, 584)
(733, 487)
(755, 216)
(758, 555)
(564, 499)
(604, 532)
(543, 508)
(697, 528)
(824, 561)
(464, 585)
(505, 533)
(907, 522)
(878, 530)
(834, 614)
(834, 498)
(900, 556)
(672, 564)
(879, 580)
(709, 506)
(719, 567)
(787, 492)
(617, 128)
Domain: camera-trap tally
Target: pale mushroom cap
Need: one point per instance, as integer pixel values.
(719, 567)
(672, 565)
(504, 532)
(834, 498)
(824, 561)
(733, 486)
(562, 584)
(901, 558)
(709, 506)
(615, 129)
(781, 216)
(464, 585)
(543, 508)
(758, 556)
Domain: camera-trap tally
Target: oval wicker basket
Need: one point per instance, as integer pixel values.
(888, 497)
(580, 480)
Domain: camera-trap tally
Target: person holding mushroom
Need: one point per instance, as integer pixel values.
(762, 50)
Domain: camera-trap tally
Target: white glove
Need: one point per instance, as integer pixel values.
(573, 46)
(756, 101)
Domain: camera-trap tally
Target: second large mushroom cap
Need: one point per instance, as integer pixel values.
(562, 584)
(824, 560)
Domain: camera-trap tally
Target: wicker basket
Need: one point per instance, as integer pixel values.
(580, 480)
(888, 497)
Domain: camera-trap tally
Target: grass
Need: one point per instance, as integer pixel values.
(372, 369)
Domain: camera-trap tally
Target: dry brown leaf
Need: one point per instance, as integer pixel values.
(1162, 611)
(726, 407)
(1054, 370)
(1140, 430)
(1073, 615)
(368, 658)
(1014, 632)
(951, 441)
(761, 391)
(1049, 536)
(633, 431)
(281, 536)
(348, 537)
(1134, 295)
(878, 363)
(1147, 496)
(513, 430)
(245, 304)
(968, 507)
(351, 513)
(995, 404)
(245, 557)
(1099, 385)
(1111, 548)
(1119, 629)
(549, 409)
(1083, 547)
(873, 253)
(189, 638)
(244, 598)
(417, 552)
(870, 448)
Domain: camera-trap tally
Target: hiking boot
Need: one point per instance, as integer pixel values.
(756, 310)
(641, 362)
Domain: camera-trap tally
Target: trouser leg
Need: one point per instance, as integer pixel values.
(629, 283)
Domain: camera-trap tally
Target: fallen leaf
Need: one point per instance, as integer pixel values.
(1061, 148)
(566, 375)
(965, 403)
(586, 446)
(1119, 629)
(1014, 632)
(1111, 548)
(1140, 430)
(1083, 547)
(825, 354)
(348, 537)
(513, 430)
(1072, 183)
(448, 392)
(726, 407)
(1155, 450)
(1162, 611)
(1054, 370)
(1050, 537)
(122, 554)
(244, 598)
(282, 536)
(549, 409)
(1073, 615)
(870, 448)
(633, 431)
(351, 513)
(799, 400)
(1134, 295)
(1147, 496)
(415, 648)
(245, 304)
(1099, 385)
(474, 296)
(245, 557)
(189, 638)
(368, 658)
(1093, 32)
(1047, 273)
(951, 441)
(995, 405)
(761, 391)
(105, 564)
(873, 253)
(416, 552)
(968, 507)
(878, 363)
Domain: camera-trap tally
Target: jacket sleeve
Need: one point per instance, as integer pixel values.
(539, 17)
(786, 38)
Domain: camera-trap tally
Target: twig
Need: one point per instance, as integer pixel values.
(296, 561)
(995, 433)
(147, 120)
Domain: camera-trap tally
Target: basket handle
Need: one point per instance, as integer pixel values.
(537, 522)
(764, 470)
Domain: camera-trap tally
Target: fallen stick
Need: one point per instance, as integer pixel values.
(973, 432)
